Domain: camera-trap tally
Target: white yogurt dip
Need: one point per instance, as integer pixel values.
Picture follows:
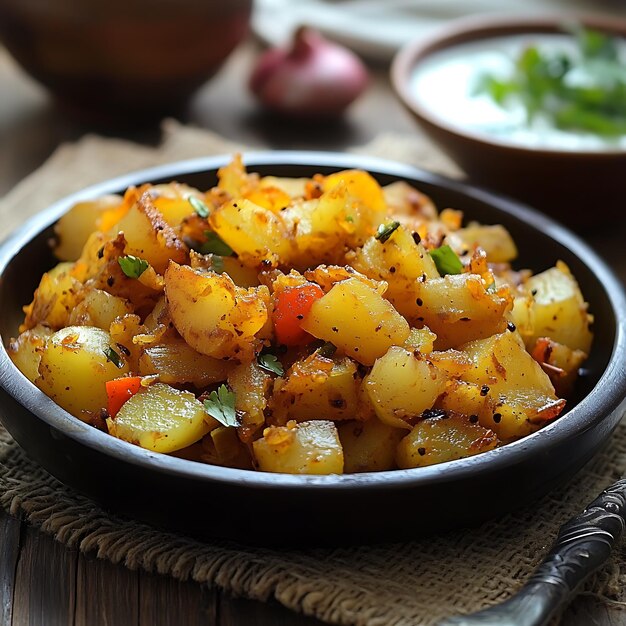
(445, 85)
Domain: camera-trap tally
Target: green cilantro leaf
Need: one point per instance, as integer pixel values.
(446, 260)
(597, 45)
(583, 89)
(221, 405)
(133, 266)
(199, 207)
(214, 244)
(385, 231)
(271, 363)
(113, 357)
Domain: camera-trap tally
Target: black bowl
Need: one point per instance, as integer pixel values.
(258, 507)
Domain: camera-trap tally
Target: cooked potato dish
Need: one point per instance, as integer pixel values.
(303, 326)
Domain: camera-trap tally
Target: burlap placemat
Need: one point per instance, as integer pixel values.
(415, 583)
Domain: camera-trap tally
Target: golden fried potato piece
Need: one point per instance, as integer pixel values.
(213, 315)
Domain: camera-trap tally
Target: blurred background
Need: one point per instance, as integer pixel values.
(119, 67)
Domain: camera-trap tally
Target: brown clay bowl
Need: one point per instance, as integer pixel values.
(258, 507)
(120, 56)
(581, 188)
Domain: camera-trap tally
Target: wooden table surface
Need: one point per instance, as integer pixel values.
(42, 583)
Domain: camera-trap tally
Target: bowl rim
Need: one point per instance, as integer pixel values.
(483, 27)
(591, 409)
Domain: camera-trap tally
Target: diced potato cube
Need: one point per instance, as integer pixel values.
(74, 228)
(75, 366)
(242, 275)
(98, 308)
(364, 187)
(172, 201)
(213, 315)
(495, 240)
(560, 363)
(149, 237)
(398, 258)
(559, 310)
(440, 439)
(54, 298)
(25, 351)
(422, 339)
(521, 316)
(250, 384)
(100, 269)
(234, 179)
(304, 448)
(317, 388)
(403, 199)
(323, 226)
(178, 363)
(293, 187)
(401, 386)
(273, 199)
(253, 232)
(401, 262)
(162, 419)
(521, 391)
(369, 446)
(223, 447)
(453, 362)
(468, 399)
(458, 308)
(357, 319)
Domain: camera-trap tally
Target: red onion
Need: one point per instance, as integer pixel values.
(314, 78)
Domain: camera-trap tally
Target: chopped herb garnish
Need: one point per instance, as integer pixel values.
(583, 89)
(446, 260)
(114, 357)
(221, 405)
(199, 207)
(271, 363)
(349, 218)
(133, 266)
(491, 287)
(385, 231)
(214, 244)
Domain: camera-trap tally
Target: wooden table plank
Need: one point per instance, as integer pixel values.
(48, 576)
(10, 529)
(164, 601)
(45, 582)
(241, 611)
(106, 594)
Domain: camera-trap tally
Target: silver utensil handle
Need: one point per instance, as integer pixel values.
(582, 546)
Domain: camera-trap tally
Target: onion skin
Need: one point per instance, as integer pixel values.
(314, 78)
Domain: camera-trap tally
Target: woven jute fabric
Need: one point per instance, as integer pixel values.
(413, 583)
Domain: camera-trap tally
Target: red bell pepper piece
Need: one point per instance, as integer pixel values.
(119, 390)
(290, 307)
